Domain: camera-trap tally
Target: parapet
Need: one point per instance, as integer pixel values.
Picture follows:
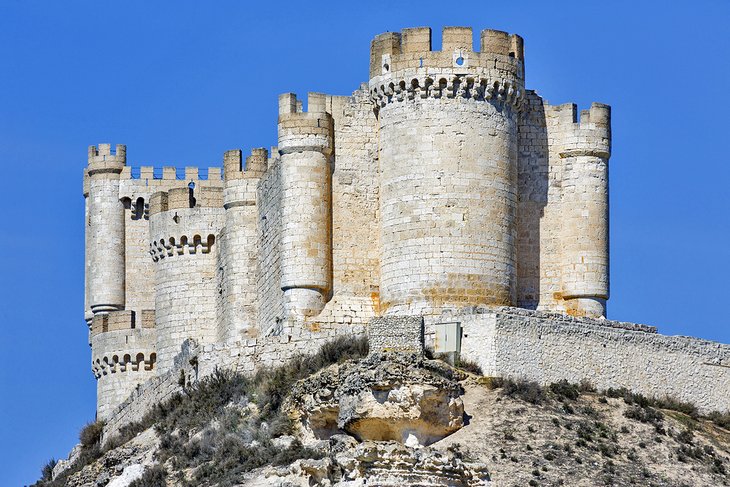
(170, 173)
(103, 161)
(310, 130)
(186, 197)
(403, 66)
(121, 320)
(255, 166)
(587, 135)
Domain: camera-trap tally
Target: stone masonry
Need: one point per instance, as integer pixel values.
(442, 190)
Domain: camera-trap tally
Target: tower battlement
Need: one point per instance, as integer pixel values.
(403, 66)
(587, 133)
(171, 173)
(186, 197)
(299, 130)
(255, 165)
(103, 160)
(409, 52)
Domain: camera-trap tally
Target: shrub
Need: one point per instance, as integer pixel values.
(644, 414)
(469, 366)
(720, 419)
(565, 390)
(528, 391)
(90, 434)
(675, 405)
(686, 437)
(47, 470)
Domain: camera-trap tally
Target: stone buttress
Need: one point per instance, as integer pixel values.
(448, 162)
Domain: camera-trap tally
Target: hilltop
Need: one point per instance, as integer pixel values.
(346, 418)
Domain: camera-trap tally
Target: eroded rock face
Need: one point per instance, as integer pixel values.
(349, 463)
(385, 397)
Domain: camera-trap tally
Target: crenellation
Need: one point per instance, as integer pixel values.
(440, 191)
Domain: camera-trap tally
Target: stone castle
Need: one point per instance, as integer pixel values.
(441, 189)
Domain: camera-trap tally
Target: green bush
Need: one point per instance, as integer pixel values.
(644, 414)
(528, 391)
(565, 390)
(90, 434)
(47, 470)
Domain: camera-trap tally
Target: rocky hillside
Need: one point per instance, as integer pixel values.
(343, 418)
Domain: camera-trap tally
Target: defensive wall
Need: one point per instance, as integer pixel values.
(546, 348)
(505, 342)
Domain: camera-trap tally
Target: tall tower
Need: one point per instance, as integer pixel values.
(305, 146)
(448, 161)
(239, 256)
(105, 230)
(184, 223)
(585, 147)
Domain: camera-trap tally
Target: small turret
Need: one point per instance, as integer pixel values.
(305, 146)
(123, 356)
(105, 229)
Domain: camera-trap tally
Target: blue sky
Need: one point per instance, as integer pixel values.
(181, 82)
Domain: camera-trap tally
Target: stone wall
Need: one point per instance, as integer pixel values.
(546, 348)
(268, 286)
(195, 362)
(136, 187)
(396, 334)
(355, 196)
(536, 241)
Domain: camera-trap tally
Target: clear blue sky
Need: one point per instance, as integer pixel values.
(180, 82)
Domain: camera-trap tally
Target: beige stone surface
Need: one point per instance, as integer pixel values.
(441, 187)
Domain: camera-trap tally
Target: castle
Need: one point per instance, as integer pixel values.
(441, 189)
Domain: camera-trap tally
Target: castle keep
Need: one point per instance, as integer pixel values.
(442, 188)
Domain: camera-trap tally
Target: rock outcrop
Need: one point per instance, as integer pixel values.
(385, 397)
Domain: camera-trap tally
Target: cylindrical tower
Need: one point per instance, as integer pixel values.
(238, 260)
(305, 146)
(448, 161)
(585, 268)
(123, 357)
(184, 224)
(105, 230)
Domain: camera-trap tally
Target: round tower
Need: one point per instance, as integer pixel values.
(123, 357)
(105, 230)
(184, 224)
(448, 161)
(238, 258)
(305, 146)
(585, 151)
